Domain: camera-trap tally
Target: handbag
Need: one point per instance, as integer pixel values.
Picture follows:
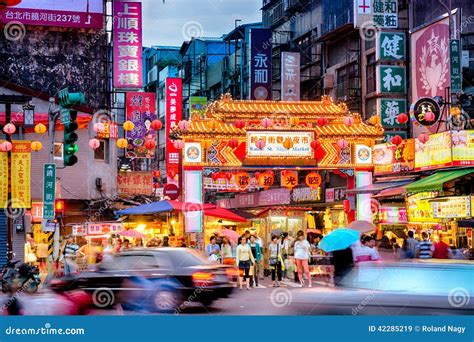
(274, 261)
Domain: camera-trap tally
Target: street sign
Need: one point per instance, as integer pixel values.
(390, 46)
(455, 65)
(65, 116)
(48, 225)
(391, 79)
(49, 190)
(377, 13)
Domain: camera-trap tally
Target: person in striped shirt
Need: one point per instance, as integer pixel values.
(70, 250)
(425, 247)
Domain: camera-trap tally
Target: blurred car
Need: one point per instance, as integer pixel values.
(161, 279)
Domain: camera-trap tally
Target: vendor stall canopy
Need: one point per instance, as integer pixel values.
(435, 181)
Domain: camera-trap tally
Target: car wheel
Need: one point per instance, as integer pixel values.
(167, 300)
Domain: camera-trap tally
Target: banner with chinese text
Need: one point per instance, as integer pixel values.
(21, 174)
(290, 76)
(127, 25)
(135, 183)
(3, 179)
(140, 109)
(174, 114)
(389, 110)
(260, 64)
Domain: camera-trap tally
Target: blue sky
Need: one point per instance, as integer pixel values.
(175, 20)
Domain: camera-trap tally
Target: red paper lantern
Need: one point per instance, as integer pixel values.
(315, 144)
(348, 121)
(430, 116)
(6, 146)
(150, 144)
(342, 143)
(266, 123)
(402, 118)
(239, 124)
(179, 144)
(9, 128)
(184, 125)
(7, 3)
(156, 125)
(319, 154)
(94, 143)
(233, 143)
(313, 180)
(242, 179)
(397, 140)
(156, 173)
(260, 144)
(265, 179)
(322, 121)
(423, 137)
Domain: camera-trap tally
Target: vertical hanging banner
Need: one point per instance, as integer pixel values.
(21, 174)
(455, 65)
(49, 191)
(290, 76)
(3, 179)
(127, 25)
(140, 109)
(260, 64)
(174, 114)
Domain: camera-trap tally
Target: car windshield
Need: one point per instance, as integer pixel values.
(187, 258)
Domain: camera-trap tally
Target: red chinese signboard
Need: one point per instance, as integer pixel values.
(140, 109)
(174, 114)
(135, 183)
(128, 45)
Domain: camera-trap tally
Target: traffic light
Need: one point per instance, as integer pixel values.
(59, 208)
(68, 119)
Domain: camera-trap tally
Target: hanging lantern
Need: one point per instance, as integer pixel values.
(319, 154)
(40, 128)
(348, 121)
(342, 143)
(430, 116)
(184, 125)
(289, 179)
(294, 121)
(313, 180)
(242, 179)
(397, 140)
(288, 143)
(156, 125)
(233, 143)
(266, 123)
(260, 144)
(8, 3)
(315, 144)
(179, 144)
(9, 128)
(423, 138)
(36, 145)
(239, 124)
(266, 179)
(128, 125)
(94, 143)
(122, 143)
(402, 118)
(374, 120)
(150, 144)
(6, 146)
(322, 122)
(156, 173)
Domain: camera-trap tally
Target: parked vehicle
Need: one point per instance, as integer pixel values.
(24, 277)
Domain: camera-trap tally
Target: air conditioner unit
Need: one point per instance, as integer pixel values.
(328, 81)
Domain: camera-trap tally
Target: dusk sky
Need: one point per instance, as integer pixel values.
(176, 20)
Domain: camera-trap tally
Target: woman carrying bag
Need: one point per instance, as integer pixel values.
(275, 261)
(244, 260)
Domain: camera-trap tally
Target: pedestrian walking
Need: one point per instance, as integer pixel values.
(284, 248)
(302, 254)
(226, 251)
(425, 247)
(213, 250)
(441, 250)
(275, 261)
(69, 251)
(244, 260)
(257, 255)
(363, 251)
(410, 247)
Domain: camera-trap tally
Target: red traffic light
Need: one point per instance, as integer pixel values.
(59, 206)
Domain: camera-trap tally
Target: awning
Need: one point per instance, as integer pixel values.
(435, 182)
(466, 223)
(163, 206)
(224, 214)
(244, 214)
(376, 187)
(392, 192)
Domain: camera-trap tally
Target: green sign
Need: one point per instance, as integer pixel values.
(391, 46)
(49, 191)
(455, 66)
(388, 135)
(65, 116)
(389, 110)
(391, 79)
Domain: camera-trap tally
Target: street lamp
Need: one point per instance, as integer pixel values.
(28, 115)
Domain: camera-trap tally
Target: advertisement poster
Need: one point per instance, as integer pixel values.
(274, 144)
(140, 109)
(390, 158)
(290, 76)
(3, 179)
(430, 74)
(463, 147)
(174, 114)
(435, 153)
(393, 215)
(419, 208)
(260, 64)
(135, 182)
(128, 72)
(21, 171)
(452, 207)
(192, 152)
(197, 105)
(101, 228)
(86, 14)
(363, 155)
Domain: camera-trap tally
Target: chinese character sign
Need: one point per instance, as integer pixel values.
(261, 64)
(21, 174)
(140, 109)
(389, 110)
(290, 76)
(77, 14)
(3, 179)
(455, 58)
(128, 45)
(391, 79)
(135, 183)
(391, 46)
(49, 190)
(380, 13)
(173, 116)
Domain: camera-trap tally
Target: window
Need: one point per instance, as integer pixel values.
(348, 82)
(370, 76)
(58, 151)
(100, 153)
